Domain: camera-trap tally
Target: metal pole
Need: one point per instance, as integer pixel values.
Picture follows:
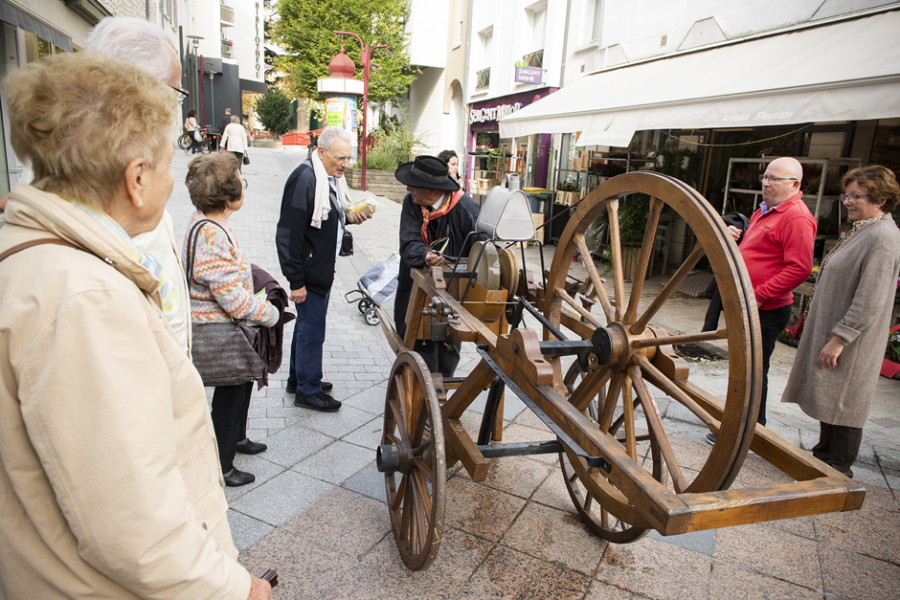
(364, 58)
(202, 85)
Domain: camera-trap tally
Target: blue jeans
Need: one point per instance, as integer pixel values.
(306, 345)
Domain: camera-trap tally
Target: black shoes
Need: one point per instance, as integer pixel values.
(291, 386)
(238, 478)
(251, 447)
(321, 402)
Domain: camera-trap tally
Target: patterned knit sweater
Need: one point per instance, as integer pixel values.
(222, 284)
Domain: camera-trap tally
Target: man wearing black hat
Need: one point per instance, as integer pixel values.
(435, 221)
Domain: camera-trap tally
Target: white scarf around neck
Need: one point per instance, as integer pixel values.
(323, 204)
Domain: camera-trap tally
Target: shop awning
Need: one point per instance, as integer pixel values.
(848, 70)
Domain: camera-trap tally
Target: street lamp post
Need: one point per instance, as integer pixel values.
(365, 57)
(212, 99)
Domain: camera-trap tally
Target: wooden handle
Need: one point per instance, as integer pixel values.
(272, 577)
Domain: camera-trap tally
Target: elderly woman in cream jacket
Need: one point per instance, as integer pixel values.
(234, 140)
(109, 482)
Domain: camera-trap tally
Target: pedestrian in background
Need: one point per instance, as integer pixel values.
(452, 160)
(234, 140)
(777, 249)
(842, 344)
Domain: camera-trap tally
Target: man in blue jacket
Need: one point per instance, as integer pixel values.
(308, 238)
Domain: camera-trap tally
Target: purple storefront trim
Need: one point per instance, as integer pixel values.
(484, 116)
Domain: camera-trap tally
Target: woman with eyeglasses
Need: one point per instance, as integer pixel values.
(221, 289)
(836, 368)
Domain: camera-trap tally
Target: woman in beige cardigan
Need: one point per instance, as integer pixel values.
(836, 368)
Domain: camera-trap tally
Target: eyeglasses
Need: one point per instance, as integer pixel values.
(852, 197)
(180, 94)
(245, 183)
(338, 158)
(762, 178)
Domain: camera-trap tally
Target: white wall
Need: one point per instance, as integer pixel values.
(427, 27)
(634, 30)
(426, 102)
(511, 22)
(248, 27)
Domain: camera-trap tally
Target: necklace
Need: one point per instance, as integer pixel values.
(856, 227)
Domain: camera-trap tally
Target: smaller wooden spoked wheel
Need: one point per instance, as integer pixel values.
(412, 424)
(576, 471)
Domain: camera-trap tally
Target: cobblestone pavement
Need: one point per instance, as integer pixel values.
(316, 512)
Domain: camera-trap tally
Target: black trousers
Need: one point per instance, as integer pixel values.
(229, 416)
(771, 322)
(240, 158)
(838, 446)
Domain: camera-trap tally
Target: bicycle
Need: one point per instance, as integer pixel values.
(206, 145)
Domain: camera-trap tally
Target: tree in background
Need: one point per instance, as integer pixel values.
(304, 28)
(274, 111)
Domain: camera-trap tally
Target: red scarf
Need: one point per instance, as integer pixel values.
(428, 215)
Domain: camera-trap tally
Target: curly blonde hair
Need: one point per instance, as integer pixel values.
(80, 119)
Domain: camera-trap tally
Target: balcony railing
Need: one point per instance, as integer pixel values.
(226, 50)
(227, 14)
(483, 79)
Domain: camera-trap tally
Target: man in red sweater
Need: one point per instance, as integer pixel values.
(778, 251)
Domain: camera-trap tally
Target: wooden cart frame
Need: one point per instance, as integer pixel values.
(615, 453)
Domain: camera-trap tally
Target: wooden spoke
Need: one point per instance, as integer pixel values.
(405, 511)
(589, 388)
(615, 240)
(659, 379)
(398, 499)
(415, 437)
(421, 448)
(425, 469)
(667, 291)
(578, 308)
(399, 418)
(419, 482)
(591, 268)
(653, 421)
(612, 399)
(628, 413)
(588, 501)
(688, 338)
(637, 286)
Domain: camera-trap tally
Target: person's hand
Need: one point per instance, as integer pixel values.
(433, 259)
(298, 296)
(829, 354)
(259, 589)
(735, 233)
(3, 202)
(358, 217)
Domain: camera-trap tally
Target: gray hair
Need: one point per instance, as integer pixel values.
(329, 134)
(134, 40)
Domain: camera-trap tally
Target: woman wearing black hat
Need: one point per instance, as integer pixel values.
(435, 221)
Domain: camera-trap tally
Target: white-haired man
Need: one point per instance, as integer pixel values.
(309, 237)
(145, 44)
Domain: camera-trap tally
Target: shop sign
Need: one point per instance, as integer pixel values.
(494, 113)
(529, 75)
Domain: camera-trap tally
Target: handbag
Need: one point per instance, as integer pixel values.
(223, 353)
(797, 328)
(198, 136)
(346, 244)
(246, 158)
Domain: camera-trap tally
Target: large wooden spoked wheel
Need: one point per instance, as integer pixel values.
(618, 324)
(412, 423)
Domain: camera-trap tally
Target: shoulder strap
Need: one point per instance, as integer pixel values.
(193, 238)
(32, 243)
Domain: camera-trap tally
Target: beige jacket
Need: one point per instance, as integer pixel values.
(109, 475)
